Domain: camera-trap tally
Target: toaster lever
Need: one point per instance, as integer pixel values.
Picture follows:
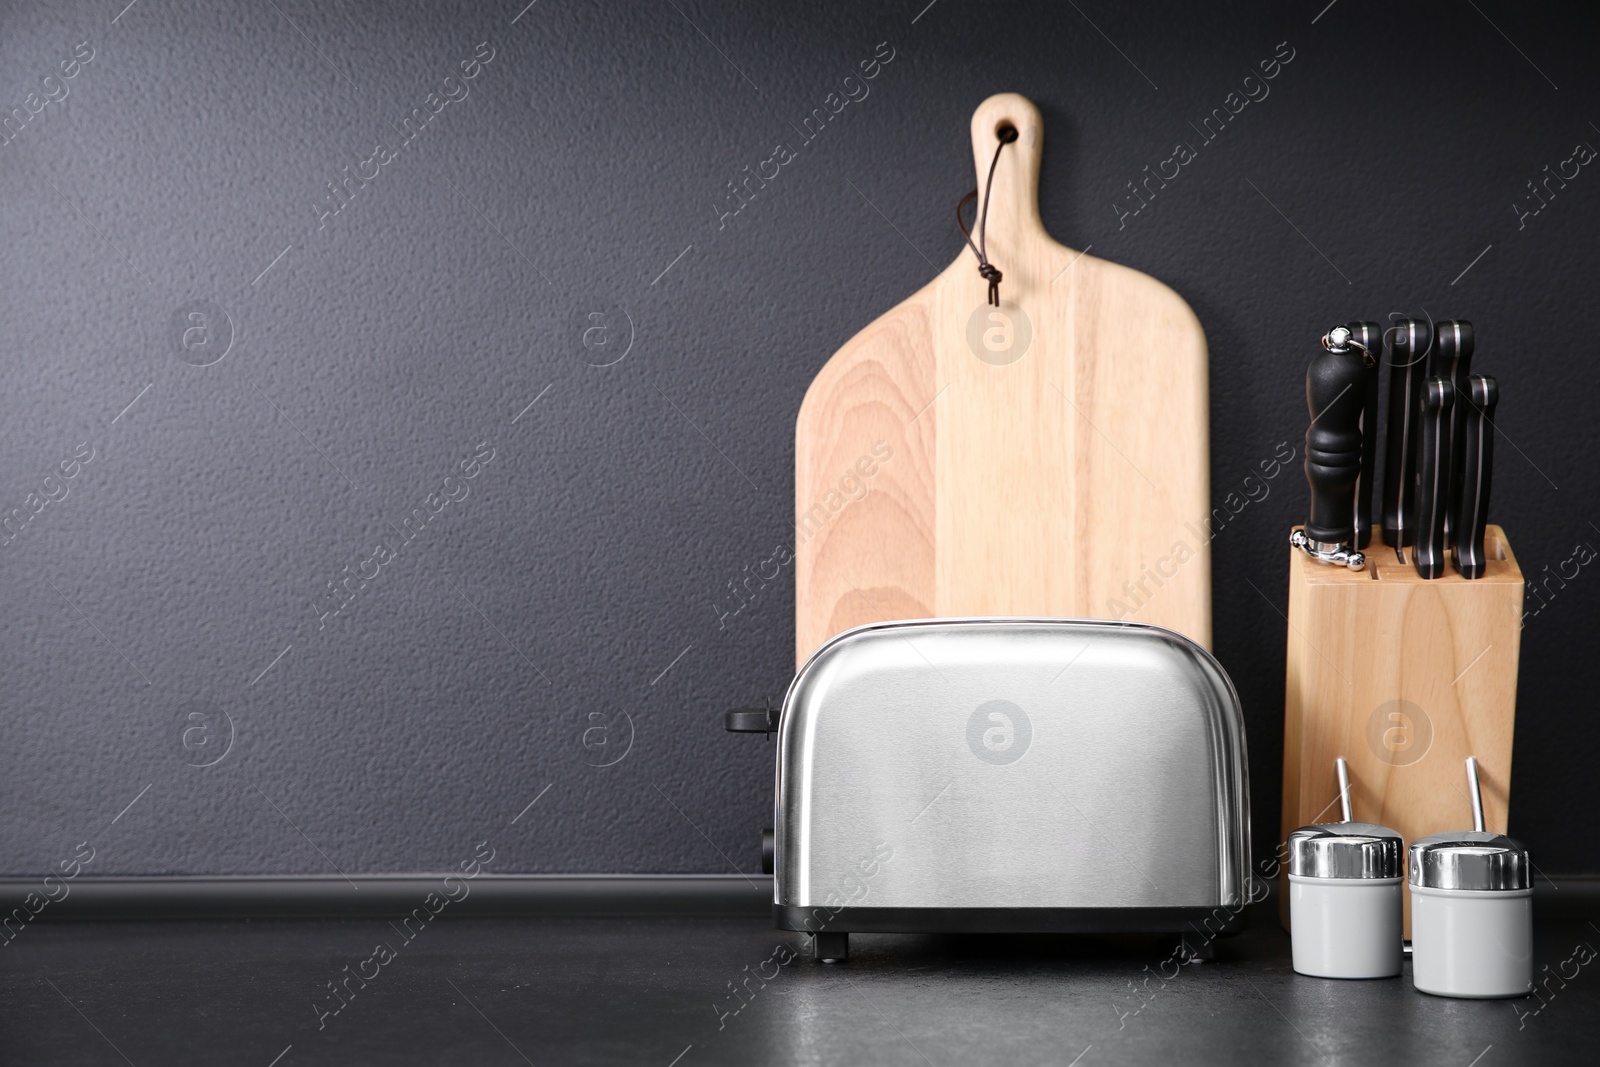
(751, 721)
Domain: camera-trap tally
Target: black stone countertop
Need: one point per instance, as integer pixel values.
(659, 991)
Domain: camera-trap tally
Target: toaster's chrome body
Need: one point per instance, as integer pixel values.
(1011, 774)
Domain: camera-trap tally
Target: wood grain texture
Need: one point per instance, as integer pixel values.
(1405, 678)
(1048, 457)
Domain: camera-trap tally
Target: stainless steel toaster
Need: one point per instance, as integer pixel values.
(1010, 774)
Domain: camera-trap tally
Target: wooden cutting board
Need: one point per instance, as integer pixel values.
(1047, 457)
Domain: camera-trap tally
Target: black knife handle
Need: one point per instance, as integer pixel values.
(1433, 486)
(1370, 337)
(1409, 344)
(1477, 453)
(1335, 393)
(1453, 341)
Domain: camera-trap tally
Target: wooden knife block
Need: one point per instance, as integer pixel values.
(1405, 678)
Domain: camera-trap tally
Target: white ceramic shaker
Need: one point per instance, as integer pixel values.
(1471, 911)
(1344, 896)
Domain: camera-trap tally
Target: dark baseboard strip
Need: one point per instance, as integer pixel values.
(332, 896)
(325, 896)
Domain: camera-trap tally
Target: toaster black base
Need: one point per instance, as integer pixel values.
(832, 926)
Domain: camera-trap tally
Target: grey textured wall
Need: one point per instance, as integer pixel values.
(411, 371)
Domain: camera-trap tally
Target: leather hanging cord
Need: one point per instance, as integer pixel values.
(988, 270)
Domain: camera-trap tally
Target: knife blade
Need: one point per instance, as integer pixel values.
(1453, 345)
(1335, 395)
(1433, 484)
(1368, 337)
(1477, 451)
(1408, 344)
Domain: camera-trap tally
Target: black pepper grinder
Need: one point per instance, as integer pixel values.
(1336, 394)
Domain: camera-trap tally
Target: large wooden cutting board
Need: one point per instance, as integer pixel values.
(1048, 457)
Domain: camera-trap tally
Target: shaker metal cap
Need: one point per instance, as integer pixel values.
(1345, 850)
(1470, 859)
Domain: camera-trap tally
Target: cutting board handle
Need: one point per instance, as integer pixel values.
(1015, 207)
